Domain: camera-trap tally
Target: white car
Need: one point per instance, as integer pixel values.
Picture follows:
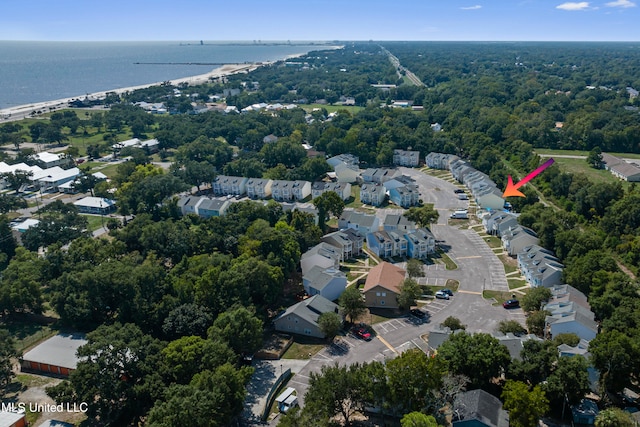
(442, 295)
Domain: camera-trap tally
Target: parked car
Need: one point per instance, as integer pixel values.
(459, 214)
(448, 292)
(463, 196)
(416, 312)
(458, 190)
(362, 333)
(442, 295)
(512, 303)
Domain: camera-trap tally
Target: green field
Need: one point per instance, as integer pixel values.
(580, 166)
(332, 108)
(551, 152)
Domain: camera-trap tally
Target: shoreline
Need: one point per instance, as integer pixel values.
(20, 112)
(23, 111)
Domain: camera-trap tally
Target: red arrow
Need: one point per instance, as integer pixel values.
(512, 189)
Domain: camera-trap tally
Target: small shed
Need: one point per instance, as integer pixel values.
(12, 419)
(55, 356)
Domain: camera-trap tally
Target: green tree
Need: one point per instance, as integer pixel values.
(7, 352)
(414, 378)
(594, 159)
(525, 406)
(453, 323)
(533, 300)
(537, 359)
(511, 326)
(329, 324)
(240, 328)
(536, 322)
(423, 216)
(328, 203)
(415, 268)
(10, 203)
(409, 292)
(569, 381)
(614, 417)
(616, 356)
(59, 223)
(480, 357)
(21, 283)
(418, 419)
(352, 303)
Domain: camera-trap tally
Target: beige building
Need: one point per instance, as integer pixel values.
(382, 287)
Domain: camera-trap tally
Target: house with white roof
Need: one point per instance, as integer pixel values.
(347, 159)
(10, 418)
(224, 185)
(50, 179)
(324, 255)
(48, 160)
(328, 282)
(364, 223)
(95, 205)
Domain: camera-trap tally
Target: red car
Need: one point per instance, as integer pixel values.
(362, 333)
(512, 303)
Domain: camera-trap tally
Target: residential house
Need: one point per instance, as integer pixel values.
(490, 218)
(405, 196)
(347, 159)
(340, 240)
(503, 223)
(285, 191)
(382, 287)
(224, 185)
(258, 188)
(95, 205)
(347, 173)
(582, 350)
(379, 175)
(585, 412)
(539, 266)
(364, 223)
(213, 207)
(547, 275)
(188, 204)
(302, 207)
(302, 318)
(323, 254)
(406, 158)
(575, 322)
(18, 167)
(439, 160)
(302, 189)
(48, 160)
(50, 179)
(394, 222)
(437, 336)
(328, 282)
(372, 194)
(386, 244)
(342, 189)
(477, 408)
(150, 146)
(357, 241)
(565, 293)
(420, 243)
(513, 343)
(459, 168)
(490, 198)
(516, 239)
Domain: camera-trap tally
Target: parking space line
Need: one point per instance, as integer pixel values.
(385, 342)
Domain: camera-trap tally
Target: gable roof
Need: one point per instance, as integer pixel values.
(385, 275)
(479, 405)
(311, 308)
(319, 277)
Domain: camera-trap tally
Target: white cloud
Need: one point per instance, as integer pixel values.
(581, 5)
(476, 7)
(621, 3)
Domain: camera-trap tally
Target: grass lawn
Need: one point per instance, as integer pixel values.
(550, 152)
(27, 330)
(576, 166)
(448, 262)
(94, 221)
(331, 108)
(493, 242)
(516, 283)
(303, 348)
(510, 264)
(354, 201)
(499, 296)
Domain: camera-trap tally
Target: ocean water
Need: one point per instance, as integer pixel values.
(45, 71)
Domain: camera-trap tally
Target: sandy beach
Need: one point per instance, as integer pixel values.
(22, 111)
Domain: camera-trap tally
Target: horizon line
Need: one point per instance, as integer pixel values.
(309, 41)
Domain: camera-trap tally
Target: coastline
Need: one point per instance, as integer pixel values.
(22, 111)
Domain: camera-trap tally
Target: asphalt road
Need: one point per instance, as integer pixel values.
(478, 269)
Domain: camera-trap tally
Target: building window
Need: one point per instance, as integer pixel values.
(382, 302)
(384, 294)
(307, 331)
(377, 294)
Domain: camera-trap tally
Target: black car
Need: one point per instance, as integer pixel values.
(448, 292)
(458, 191)
(419, 313)
(512, 303)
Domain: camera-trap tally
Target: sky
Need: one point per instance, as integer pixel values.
(315, 20)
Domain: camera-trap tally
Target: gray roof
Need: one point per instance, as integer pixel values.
(479, 405)
(353, 235)
(311, 308)
(59, 350)
(8, 418)
(362, 219)
(325, 249)
(319, 277)
(398, 220)
(212, 204)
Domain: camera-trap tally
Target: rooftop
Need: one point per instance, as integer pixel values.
(59, 350)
